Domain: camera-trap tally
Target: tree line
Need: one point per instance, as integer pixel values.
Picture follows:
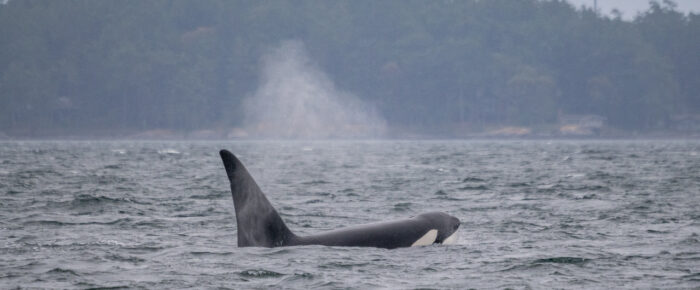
(92, 67)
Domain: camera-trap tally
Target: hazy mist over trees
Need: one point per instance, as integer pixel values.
(436, 68)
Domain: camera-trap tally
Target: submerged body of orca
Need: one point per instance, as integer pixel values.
(259, 224)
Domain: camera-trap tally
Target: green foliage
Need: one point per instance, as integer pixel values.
(84, 67)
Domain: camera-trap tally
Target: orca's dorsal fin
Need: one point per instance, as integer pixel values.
(259, 224)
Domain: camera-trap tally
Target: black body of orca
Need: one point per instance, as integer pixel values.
(259, 224)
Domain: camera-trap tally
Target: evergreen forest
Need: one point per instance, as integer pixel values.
(431, 68)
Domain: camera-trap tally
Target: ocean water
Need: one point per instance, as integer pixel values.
(534, 214)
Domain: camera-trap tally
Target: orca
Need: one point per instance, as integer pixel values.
(259, 224)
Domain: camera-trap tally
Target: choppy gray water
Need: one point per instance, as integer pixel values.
(535, 214)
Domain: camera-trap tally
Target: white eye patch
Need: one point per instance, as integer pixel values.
(427, 239)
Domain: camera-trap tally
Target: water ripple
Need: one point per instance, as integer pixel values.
(535, 214)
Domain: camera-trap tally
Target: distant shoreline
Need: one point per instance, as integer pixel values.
(640, 137)
(238, 134)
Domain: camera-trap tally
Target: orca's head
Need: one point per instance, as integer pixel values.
(446, 225)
